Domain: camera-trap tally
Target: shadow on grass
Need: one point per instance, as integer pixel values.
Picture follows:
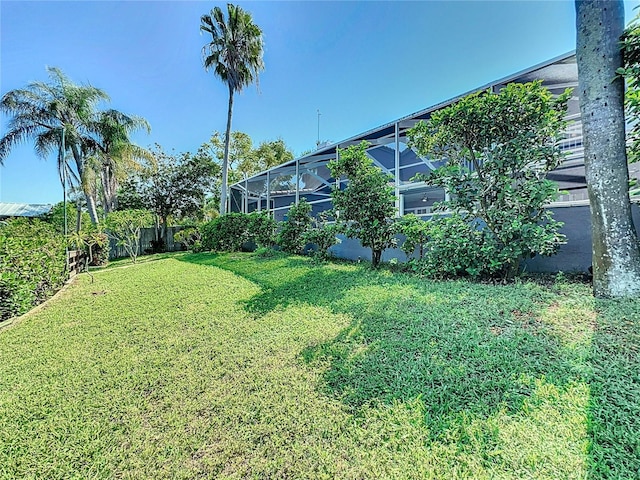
(614, 426)
(466, 350)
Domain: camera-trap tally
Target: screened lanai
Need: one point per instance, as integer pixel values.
(308, 177)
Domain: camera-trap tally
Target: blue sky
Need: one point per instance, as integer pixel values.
(361, 64)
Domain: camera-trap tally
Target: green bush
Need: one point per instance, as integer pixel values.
(323, 235)
(262, 229)
(416, 232)
(32, 265)
(190, 237)
(292, 232)
(95, 244)
(498, 149)
(227, 233)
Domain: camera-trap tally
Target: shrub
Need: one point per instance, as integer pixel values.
(227, 233)
(95, 244)
(322, 235)
(416, 232)
(262, 229)
(190, 237)
(292, 232)
(498, 150)
(32, 265)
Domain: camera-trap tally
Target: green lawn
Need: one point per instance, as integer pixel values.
(232, 366)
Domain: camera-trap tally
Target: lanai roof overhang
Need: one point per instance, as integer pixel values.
(557, 74)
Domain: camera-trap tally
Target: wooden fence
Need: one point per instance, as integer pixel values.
(146, 236)
(75, 262)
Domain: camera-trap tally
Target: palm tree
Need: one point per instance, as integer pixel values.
(114, 156)
(616, 254)
(48, 112)
(235, 55)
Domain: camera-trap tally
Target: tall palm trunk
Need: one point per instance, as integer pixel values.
(225, 159)
(90, 197)
(616, 254)
(109, 188)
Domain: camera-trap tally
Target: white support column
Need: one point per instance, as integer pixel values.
(268, 192)
(246, 194)
(337, 158)
(297, 181)
(399, 207)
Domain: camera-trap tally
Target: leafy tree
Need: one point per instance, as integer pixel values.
(366, 206)
(631, 72)
(172, 186)
(616, 253)
(271, 153)
(125, 226)
(56, 217)
(416, 232)
(499, 148)
(235, 55)
(241, 157)
(42, 112)
(293, 230)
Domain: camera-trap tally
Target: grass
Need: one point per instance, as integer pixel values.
(234, 366)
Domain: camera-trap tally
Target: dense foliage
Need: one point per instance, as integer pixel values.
(94, 242)
(262, 229)
(298, 221)
(631, 73)
(190, 237)
(323, 235)
(244, 159)
(498, 149)
(226, 233)
(32, 264)
(366, 207)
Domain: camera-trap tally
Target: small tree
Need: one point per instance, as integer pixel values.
(416, 232)
(366, 207)
(125, 227)
(498, 150)
(298, 222)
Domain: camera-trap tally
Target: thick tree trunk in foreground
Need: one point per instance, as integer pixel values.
(225, 159)
(616, 253)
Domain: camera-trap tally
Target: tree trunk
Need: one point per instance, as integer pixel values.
(109, 188)
(225, 159)
(376, 255)
(89, 196)
(78, 217)
(616, 254)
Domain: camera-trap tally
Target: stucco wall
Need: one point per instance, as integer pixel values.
(574, 256)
